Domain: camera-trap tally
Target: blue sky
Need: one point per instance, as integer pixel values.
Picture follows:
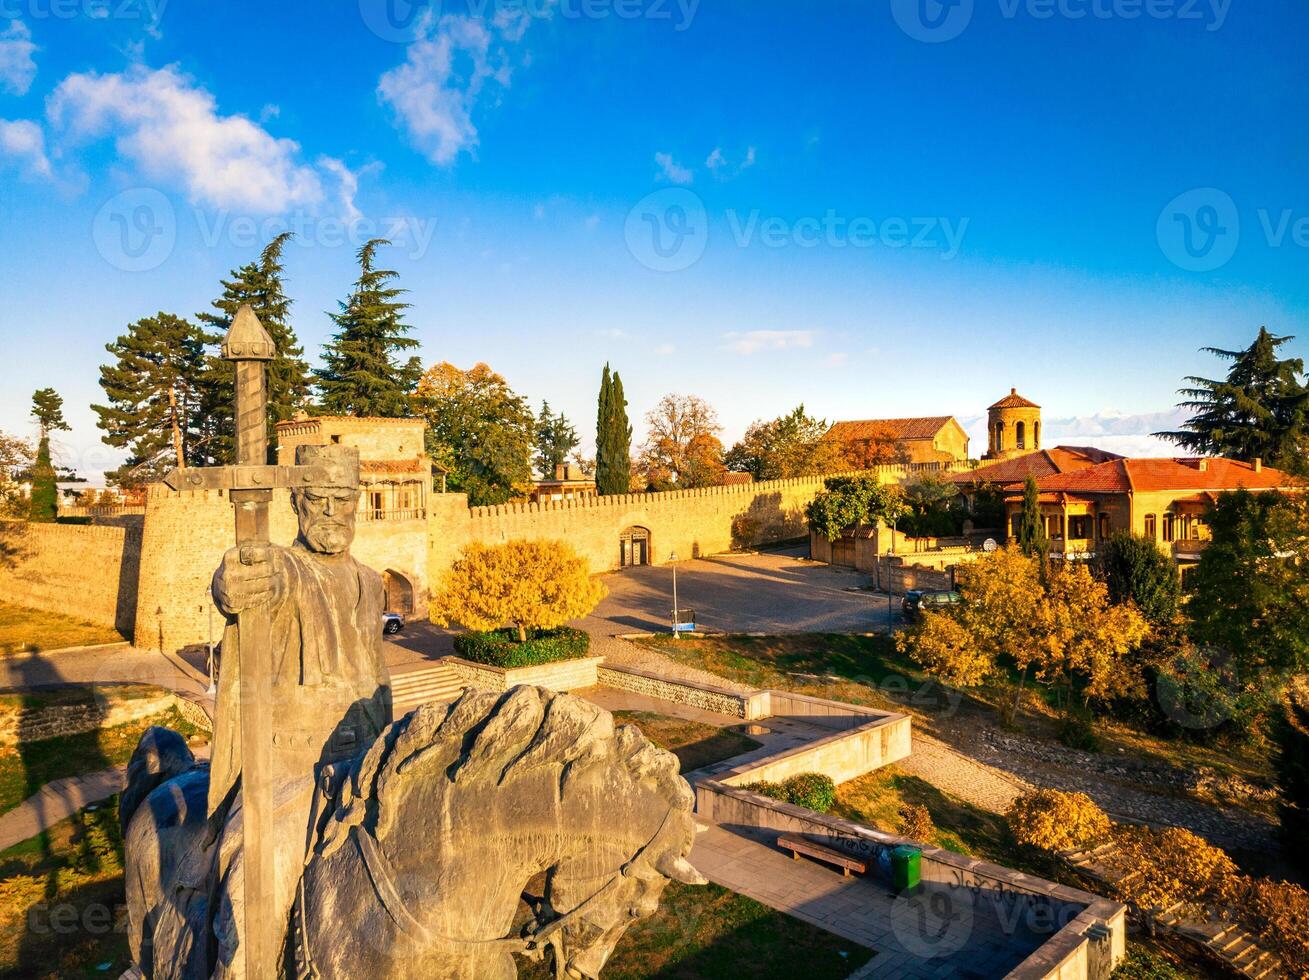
(877, 209)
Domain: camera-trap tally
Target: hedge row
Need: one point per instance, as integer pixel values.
(500, 648)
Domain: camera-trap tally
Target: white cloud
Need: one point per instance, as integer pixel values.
(673, 171)
(663, 350)
(17, 66)
(753, 341)
(836, 360)
(24, 141)
(434, 92)
(592, 222)
(171, 129)
(611, 333)
(720, 166)
(348, 185)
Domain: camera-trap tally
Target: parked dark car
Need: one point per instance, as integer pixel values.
(918, 601)
(392, 623)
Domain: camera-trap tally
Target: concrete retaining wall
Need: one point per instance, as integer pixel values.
(562, 675)
(843, 756)
(706, 697)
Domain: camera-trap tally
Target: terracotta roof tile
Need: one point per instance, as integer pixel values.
(1044, 462)
(1146, 475)
(1014, 400)
(914, 428)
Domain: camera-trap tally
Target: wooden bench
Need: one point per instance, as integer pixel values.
(802, 845)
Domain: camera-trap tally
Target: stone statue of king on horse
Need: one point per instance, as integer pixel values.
(439, 845)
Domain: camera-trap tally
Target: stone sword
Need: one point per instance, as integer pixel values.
(250, 484)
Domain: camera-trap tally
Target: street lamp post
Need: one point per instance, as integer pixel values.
(677, 635)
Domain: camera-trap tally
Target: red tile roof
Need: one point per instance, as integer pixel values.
(1146, 475)
(1059, 459)
(918, 428)
(1014, 400)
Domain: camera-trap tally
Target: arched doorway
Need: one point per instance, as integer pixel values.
(634, 547)
(400, 592)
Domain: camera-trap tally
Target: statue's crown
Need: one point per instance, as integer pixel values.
(342, 463)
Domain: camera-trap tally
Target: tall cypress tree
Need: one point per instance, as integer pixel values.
(613, 437)
(1260, 410)
(259, 284)
(1031, 526)
(361, 373)
(155, 391)
(44, 504)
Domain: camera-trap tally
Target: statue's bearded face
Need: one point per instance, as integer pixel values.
(327, 518)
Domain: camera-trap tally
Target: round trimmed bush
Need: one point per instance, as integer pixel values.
(501, 648)
(1052, 820)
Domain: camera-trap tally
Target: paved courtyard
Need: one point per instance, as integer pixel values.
(770, 592)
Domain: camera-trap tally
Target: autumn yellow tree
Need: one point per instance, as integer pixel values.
(527, 585)
(1170, 867)
(1063, 628)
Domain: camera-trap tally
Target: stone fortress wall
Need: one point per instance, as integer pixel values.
(154, 584)
(89, 572)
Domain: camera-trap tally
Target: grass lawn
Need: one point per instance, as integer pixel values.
(25, 768)
(869, 670)
(30, 629)
(73, 871)
(695, 744)
(710, 933)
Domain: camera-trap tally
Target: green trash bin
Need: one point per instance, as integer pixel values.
(906, 867)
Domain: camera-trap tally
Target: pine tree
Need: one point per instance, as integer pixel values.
(555, 439)
(155, 389)
(260, 285)
(1260, 410)
(1031, 526)
(48, 410)
(361, 374)
(613, 437)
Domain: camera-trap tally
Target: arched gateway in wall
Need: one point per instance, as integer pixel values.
(401, 595)
(634, 547)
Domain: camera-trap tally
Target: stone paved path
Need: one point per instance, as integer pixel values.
(61, 798)
(909, 941)
(970, 780)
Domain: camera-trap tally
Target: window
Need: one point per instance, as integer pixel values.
(1104, 527)
(375, 504)
(1149, 527)
(1036, 434)
(336, 440)
(1054, 527)
(1015, 523)
(1079, 527)
(1168, 527)
(1021, 432)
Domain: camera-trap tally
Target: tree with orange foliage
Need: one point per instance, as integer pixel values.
(682, 448)
(1171, 867)
(878, 447)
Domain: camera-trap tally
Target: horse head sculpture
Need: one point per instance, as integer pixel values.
(451, 815)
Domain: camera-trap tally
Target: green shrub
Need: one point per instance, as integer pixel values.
(1144, 964)
(1291, 763)
(500, 648)
(811, 790)
(1077, 731)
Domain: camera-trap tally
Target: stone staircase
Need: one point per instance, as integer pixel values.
(437, 683)
(1226, 940)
